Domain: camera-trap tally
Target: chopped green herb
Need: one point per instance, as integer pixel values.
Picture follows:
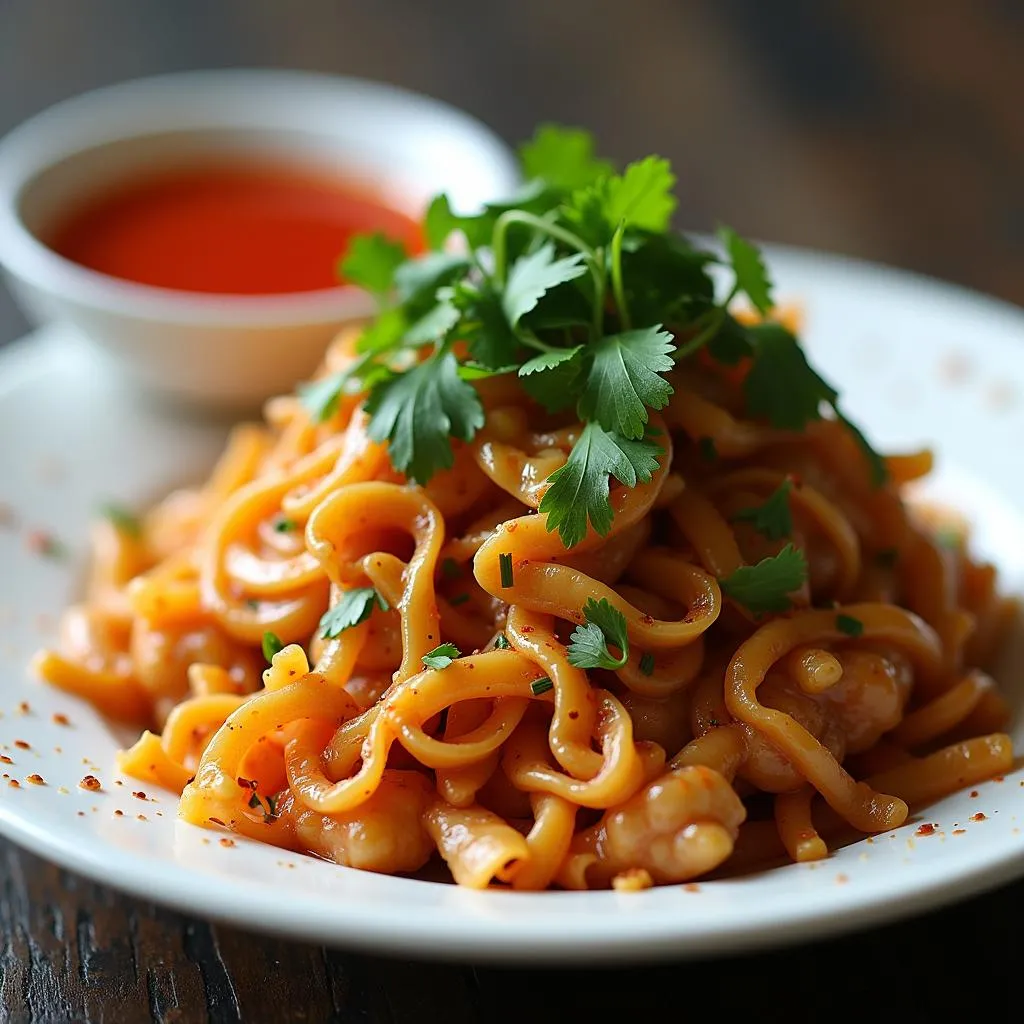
(505, 568)
(501, 642)
(772, 519)
(849, 625)
(272, 644)
(749, 269)
(707, 449)
(371, 262)
(353, 607)
(282, 524)
(766, 587)
(542, 685)
(441, 656)
(604, 625)
(127, 522)
(255, 801)
(450, 569)
(647, 663)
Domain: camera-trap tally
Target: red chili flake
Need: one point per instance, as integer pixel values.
(246, 783)
(14, 783)
(81, 814)
(691, 887)
(90, 782)
(40, 542)
(24, 708)
(925, 830)
(216, 821)
(139, 795)
(227, 842)
(4, 759)
(574, 714)
(118, 813)
(141, 817)
(978, 817)
(120, 782)
(36, 779)
(526, 629)
(999, 778)
(974, 792)
(648, 620)
(959, 831)
(22, 745)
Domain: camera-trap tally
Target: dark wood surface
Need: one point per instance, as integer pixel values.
(886, 130)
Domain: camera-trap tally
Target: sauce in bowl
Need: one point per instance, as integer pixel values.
(227, 230)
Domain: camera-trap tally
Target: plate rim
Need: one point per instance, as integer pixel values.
(929, 885)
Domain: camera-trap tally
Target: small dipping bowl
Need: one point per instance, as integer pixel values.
(224, 351)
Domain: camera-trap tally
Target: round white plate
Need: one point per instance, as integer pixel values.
(916, 361)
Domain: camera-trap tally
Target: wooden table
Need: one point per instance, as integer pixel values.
(890, 131)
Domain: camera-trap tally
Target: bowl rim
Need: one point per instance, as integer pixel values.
(35, 146)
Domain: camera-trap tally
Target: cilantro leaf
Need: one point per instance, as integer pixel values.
(353, 607)
(385, 333)
(492, 342)
(420, 278)
(579, 490)
(877, 468)
(781, 386)
(563, 157)
(418, 411)
(553, 382)
(549, 360)
(441, 656)
(371, 261)
(665, 278)
(642, 196)
(766, 587)
(772, 519)
(748, 267)
(433, 325)
(533, 275)
(588, 645)
(730, 343)
(439, 221)
(624, 379)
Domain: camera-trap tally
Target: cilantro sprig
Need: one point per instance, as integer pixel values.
(772, 519)
(576, 285)
(604, 624)
(353, 607)
(767, 586)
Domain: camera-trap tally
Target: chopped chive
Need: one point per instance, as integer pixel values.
(505, 565)
(501, 642)
(271, 645)
(450, 569)
(458, 599)
(282, 524)
(647, 664)
(707, 449)
(542, 685)
(849, 625)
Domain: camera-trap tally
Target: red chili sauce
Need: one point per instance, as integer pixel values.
(227, 230)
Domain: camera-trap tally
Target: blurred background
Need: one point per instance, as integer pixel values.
(891, 131)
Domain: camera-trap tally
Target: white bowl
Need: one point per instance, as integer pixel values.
(226, 351)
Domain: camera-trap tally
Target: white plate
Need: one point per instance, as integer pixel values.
(917, 361)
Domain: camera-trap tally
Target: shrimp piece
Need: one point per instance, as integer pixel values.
(869, 698)
(382, 834)
(678, 827)
(769, 769)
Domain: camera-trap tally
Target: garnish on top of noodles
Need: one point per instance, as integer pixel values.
(578, 287)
